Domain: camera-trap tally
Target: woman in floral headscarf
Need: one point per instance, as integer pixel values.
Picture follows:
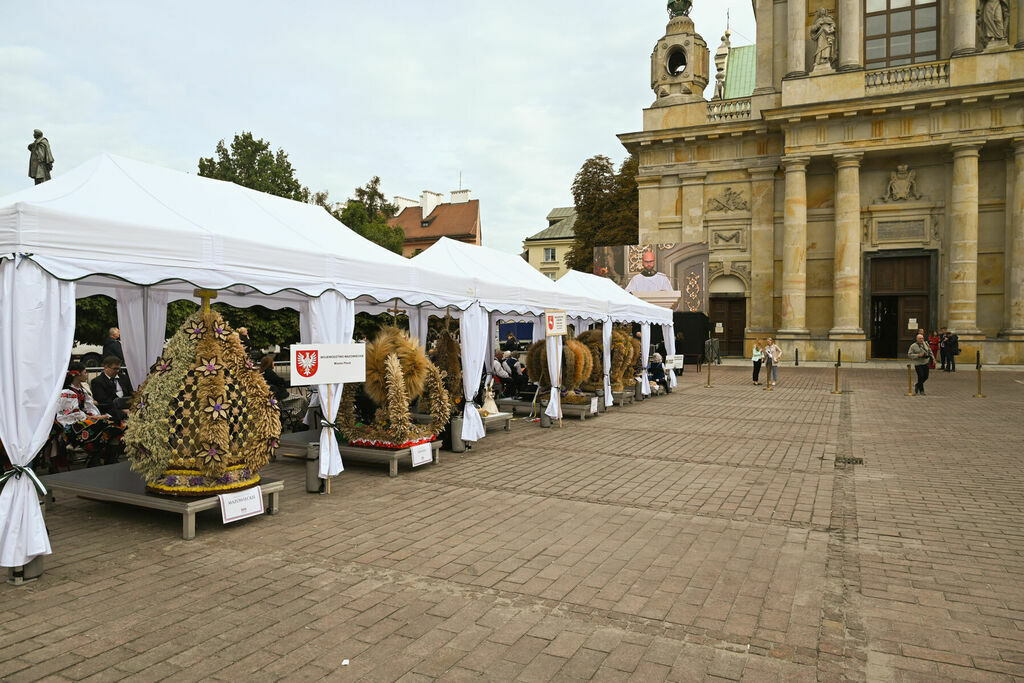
(84, 426)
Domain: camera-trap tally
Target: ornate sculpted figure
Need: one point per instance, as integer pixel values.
(679, 8)
(902, 185)
(993, 16)
(40, 160)
(823, 33)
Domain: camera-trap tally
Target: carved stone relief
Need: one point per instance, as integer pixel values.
(902, 185)
(728, 200)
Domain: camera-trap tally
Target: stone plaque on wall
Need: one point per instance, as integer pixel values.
(901, 230)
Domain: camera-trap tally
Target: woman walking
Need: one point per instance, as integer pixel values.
(757, 357)
(774, 357)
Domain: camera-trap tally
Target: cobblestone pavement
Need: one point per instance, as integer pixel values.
(723, 533)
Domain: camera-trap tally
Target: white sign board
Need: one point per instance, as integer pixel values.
(593, 405)
(422, 454)
(241, 504)
(328, 364)
(719, 328)
(673, 362)
(912, 324)
(555, 324)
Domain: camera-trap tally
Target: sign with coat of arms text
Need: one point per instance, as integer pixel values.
(327, 364)
(555, 324)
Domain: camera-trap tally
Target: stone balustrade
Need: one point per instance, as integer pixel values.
(729, 110)
(899, 79)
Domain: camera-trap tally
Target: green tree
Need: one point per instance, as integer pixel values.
(251, 163)
(368, 215)
(266, 327)
(607, 208)
(94, 316)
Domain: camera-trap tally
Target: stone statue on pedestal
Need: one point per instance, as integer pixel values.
(823, 33)
(993, 16)
(40, 160)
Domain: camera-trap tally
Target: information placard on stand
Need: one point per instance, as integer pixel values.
(421, 454)
(241, 504)
(593, 404)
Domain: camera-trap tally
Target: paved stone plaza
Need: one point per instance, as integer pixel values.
(711, 533)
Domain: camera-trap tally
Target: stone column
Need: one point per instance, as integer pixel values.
(1020, 25)
(794, 248)
(851, 35)
(762, 250)
(963, 247)
(965, 27)
(846, 287)
(1015, 248)
(796, 29)
(765, 44)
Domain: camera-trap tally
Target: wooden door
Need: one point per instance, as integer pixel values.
(900, 303)
(732, 313)
(913, 315)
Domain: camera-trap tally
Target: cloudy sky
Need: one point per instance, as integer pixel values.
(512, 95)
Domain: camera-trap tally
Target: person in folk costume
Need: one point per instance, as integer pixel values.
(83, 424)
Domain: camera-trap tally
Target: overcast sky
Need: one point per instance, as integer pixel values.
(514, 95)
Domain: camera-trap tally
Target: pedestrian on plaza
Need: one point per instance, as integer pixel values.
(758, 358)
(952, 348)
(773, 356)
(112, 345)
(933, 344)
(921, 355)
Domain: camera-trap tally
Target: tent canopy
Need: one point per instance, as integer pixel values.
(148, 225)
(506, 283)
(621, 305)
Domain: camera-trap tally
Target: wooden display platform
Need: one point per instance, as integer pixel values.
(622, 398)
(391, 456)
(118, 484)
(459, 446)
(518, 406)
(580, 410)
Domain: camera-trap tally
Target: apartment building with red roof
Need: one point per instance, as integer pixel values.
(431, 218)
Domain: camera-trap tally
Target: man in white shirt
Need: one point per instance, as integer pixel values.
(648, 279)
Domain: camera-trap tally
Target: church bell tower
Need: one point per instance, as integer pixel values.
(679, 64)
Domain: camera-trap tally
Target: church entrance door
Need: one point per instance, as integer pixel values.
(731, 311)
(900, 303)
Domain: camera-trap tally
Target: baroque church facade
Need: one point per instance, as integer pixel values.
(858, 174)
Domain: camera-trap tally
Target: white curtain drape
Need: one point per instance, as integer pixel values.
(645, 346)
(37, 329)
(669, 334)
(332, 319)
(418, 318)
(473, 338)
(606, 358)
(553, 347)
(492, 321)
(142, 318)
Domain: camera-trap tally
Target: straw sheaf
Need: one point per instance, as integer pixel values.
(594, 342)
(448, 357)
(537, 363)
(263, 427)
(629, 379)
(577, 364)
(393, 341)
(620, 353)
(210, 388)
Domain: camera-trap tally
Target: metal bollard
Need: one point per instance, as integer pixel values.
(978, 366)
(839, 361)
(768, 384)
(796, 354)
(708, 385)
(910, 382)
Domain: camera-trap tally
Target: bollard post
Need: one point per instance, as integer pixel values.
(708, 385)
(796, 354)
(768, 384)
(978, 366)
(839, 361)
(910, 382)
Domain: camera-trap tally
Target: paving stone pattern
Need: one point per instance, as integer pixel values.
(710, 534)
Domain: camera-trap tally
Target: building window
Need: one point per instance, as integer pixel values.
(549, 254)
(898, 32)
(551, 275)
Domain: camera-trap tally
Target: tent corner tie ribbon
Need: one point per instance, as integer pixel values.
(16, 471)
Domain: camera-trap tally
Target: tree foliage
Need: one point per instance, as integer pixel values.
(251, 163)
(607, 208)
(94, 316)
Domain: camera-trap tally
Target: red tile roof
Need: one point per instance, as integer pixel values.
(457, 221)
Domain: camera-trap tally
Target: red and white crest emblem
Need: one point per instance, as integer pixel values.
(551, 322)
(306, 362)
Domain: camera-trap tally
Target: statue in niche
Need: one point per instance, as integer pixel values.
(993, 17)
(902, 185)
(679, 8)
(729, 200)
(823, 33)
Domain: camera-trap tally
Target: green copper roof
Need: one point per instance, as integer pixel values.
(561, 212)
(739, 71)
(565, 228)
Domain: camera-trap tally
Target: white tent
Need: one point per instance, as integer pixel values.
(623, 307)
(145, 235)
(506, 283)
